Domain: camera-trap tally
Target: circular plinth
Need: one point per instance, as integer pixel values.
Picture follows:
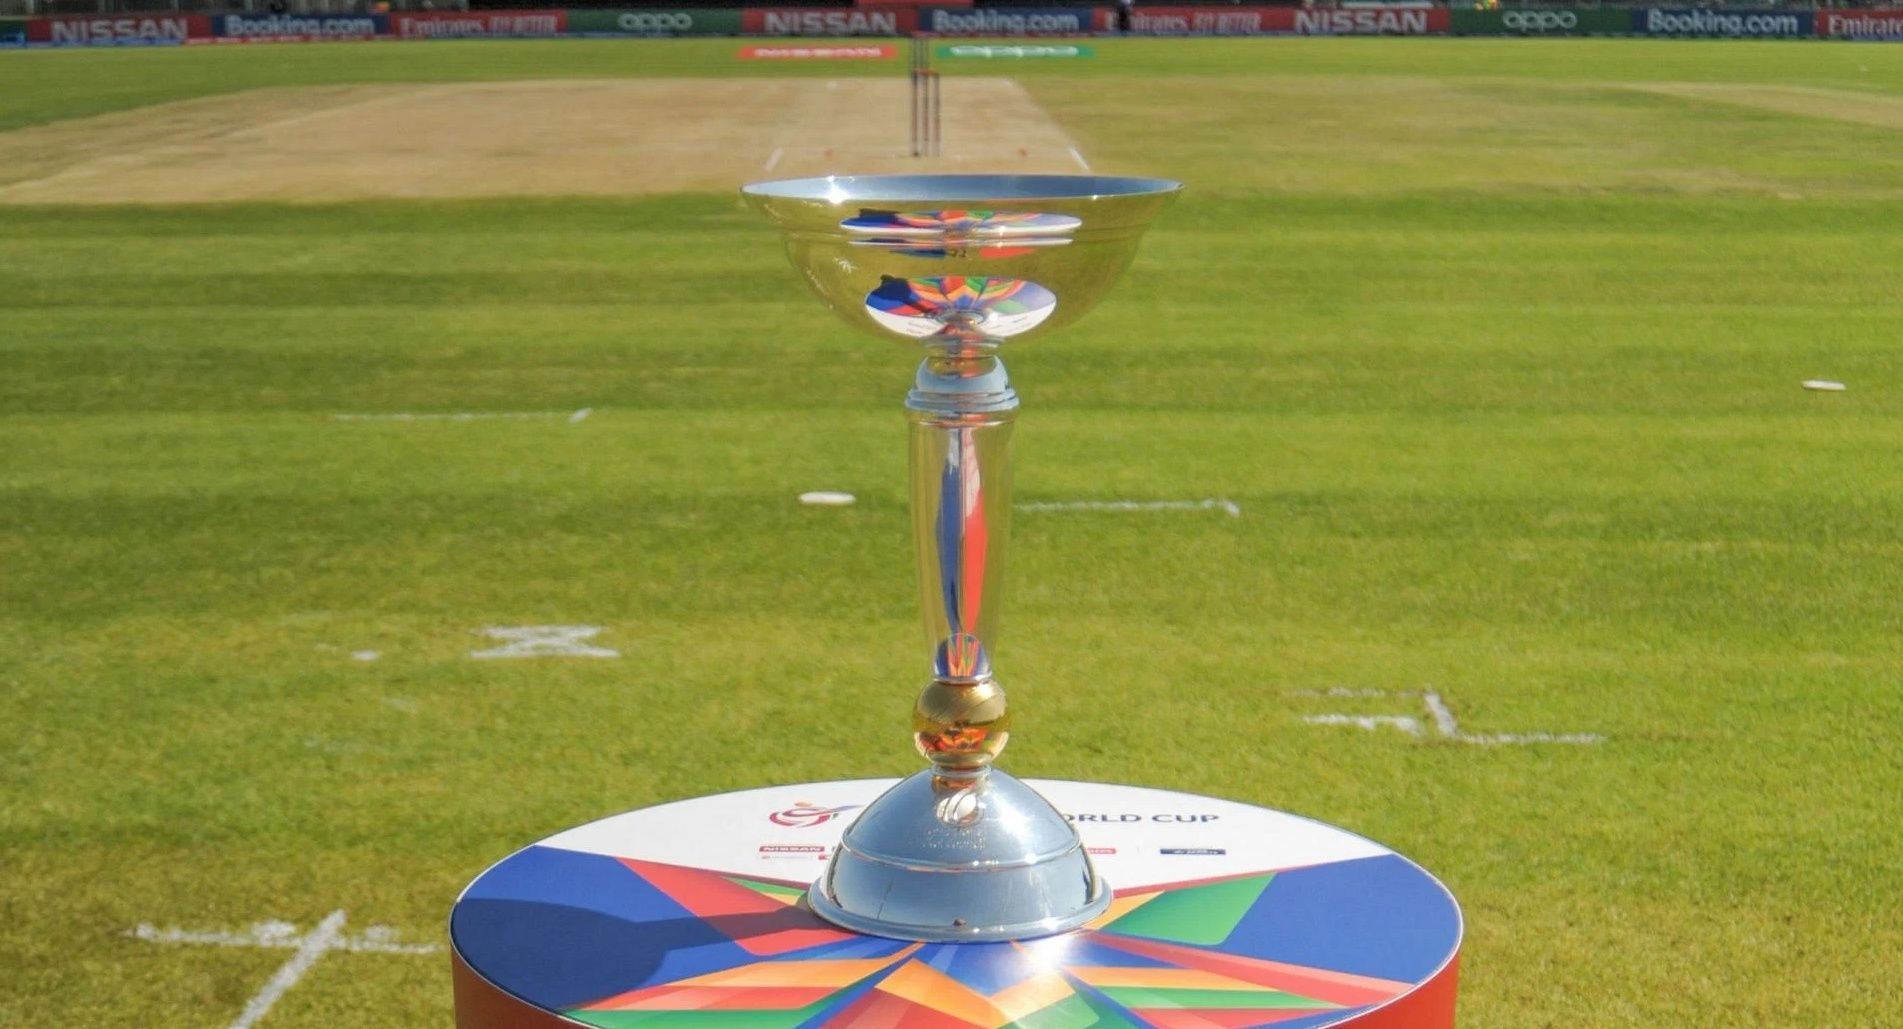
(691, 915)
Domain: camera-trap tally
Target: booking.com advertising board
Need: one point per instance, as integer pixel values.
(173, 28)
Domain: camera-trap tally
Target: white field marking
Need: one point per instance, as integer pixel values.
(1369, 722)
(276, 935)
(1442, 718)
(403, 704)
(1340, 691)
(1227, 506)
(365, 655)
(1079, 158)
(543, 641)
(1823, 385)
(827, 498)
(773, 160)
(466, 416)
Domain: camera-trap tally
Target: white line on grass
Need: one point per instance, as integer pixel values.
(774, 160)
(276, 935)
(466, 416)
(543, 641)
(1443, 720)
(1079, 158)
(1230, 507)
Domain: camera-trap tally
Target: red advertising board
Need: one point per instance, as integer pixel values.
(119, 29)
(1211, 21)
(1373, 21)
(794, 21)
(1884, 24)
(477, 24)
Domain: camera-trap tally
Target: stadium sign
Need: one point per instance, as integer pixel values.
(119, 30)
(1014, 52)
(12, 31)
(1688, 21)
(828, 22)
(1886, 24)
(476, 24)
(653, 23)
(1367, 21)
(1016, 21)
(1211, 21)
(1541, 22)
(298, 28)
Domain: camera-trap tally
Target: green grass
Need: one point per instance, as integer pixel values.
(1499, 358)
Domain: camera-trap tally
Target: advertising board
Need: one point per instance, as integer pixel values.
(1016, 21)
(794, 21)
(476, 24)
(653, 23)
(1211, 21)
(119, 30)
(1544, 21)
(1698, 21)
(1885, 24)
(297, 28)
(12, 32)
(1372, 21)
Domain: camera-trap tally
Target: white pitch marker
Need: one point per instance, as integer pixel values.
(827, 498)
(543, 641)
(1441, 717)
(1079, 158)
(308, 949)
(572, 417)
(1223, 504)
(1823, 385)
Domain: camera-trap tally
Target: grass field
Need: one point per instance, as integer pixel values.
(1496, 345)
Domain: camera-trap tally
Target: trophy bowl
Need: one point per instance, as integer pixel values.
(959, 265)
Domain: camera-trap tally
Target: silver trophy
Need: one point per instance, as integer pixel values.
(961, 266)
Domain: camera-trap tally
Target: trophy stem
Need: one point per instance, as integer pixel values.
(962, 410)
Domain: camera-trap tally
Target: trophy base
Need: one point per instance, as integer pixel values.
(948, 860)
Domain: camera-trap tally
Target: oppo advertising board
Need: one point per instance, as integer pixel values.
(298, 28)
(1017, 21)
(795, 21)
(1861, 24)
(653, 23)
(1691, 21)
(1549, 21)
(477, 24)
(119, 30)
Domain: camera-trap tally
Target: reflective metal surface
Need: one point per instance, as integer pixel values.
(983, 859)
(961, 265)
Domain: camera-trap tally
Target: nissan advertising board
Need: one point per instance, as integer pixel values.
(653, 23)
(766, 21)
(1690, 21)
(1546, 21)
(298, 28)
(1369, 21)
(1017, 21)
(1886, 24)
(119, 30)
(476, 24)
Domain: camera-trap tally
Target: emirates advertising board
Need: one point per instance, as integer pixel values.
(653, 23)
(1542, 21)
(1017, 21)
(1698, 21)
(768, 21)
(120, 30)
(1861, 24)
(477, 24)
(298, 28)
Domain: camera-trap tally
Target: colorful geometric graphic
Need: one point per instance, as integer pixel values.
(599, 940)
(987, 235)
(974, 307)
